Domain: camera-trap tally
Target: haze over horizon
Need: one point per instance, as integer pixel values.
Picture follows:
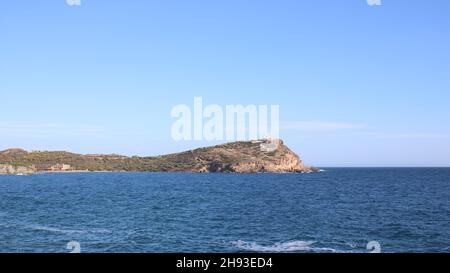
(357, 85)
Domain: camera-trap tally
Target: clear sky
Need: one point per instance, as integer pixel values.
(357, 85)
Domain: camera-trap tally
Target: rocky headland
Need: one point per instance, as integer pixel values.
(262, 156)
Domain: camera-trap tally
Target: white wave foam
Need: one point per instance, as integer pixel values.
(57, 230)
(293, 246)
(68, 231)
(100, 230)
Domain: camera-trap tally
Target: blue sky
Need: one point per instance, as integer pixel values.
(357, 85)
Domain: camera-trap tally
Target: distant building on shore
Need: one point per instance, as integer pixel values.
(52, 168)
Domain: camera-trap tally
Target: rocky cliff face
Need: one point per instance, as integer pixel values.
(10, 169)
(239, 157)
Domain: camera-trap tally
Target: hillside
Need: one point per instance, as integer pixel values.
(240, 157)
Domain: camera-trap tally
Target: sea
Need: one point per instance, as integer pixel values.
(338, 210)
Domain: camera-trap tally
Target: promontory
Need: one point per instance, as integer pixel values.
(261, 156)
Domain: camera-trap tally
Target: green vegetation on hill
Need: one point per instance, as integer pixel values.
(231, 157)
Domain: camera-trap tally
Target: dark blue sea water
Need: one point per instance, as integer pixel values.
(339, 210)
